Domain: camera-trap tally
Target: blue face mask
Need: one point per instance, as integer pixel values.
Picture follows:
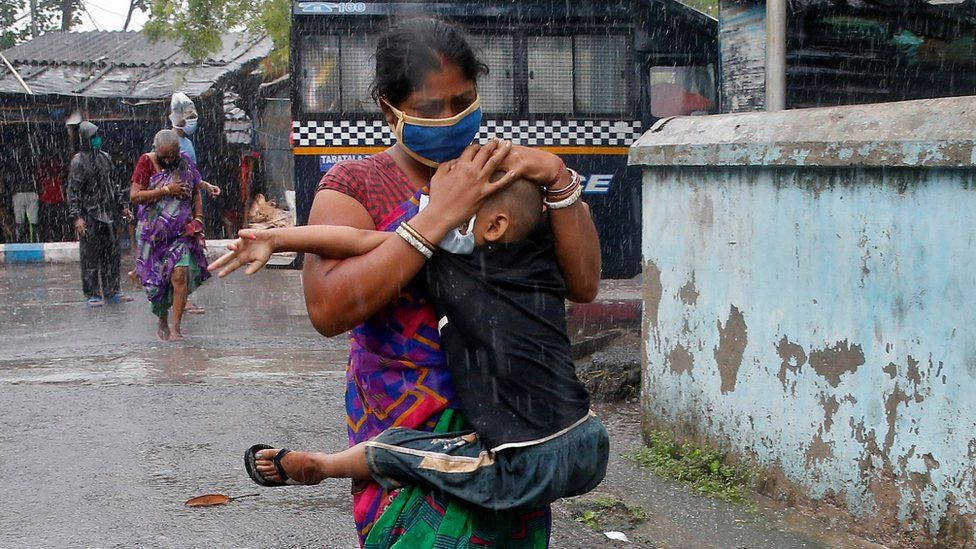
(96, 142)
(190, 127)
(431, 141)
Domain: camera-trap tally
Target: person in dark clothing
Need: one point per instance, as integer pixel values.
(96, 204)
(499, 298)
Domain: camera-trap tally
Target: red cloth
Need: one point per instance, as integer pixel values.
(143, 171)
(49, 175)
(376, 182)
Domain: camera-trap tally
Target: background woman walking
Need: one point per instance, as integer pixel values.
(171, 263)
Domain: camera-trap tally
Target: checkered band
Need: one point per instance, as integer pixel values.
(555, 133)
(341, 133)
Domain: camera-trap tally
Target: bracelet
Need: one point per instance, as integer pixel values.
(566, 202)
(413, 241)
(416, 234)
(198, 218)
(576, 181)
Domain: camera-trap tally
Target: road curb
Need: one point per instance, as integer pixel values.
(67, 252)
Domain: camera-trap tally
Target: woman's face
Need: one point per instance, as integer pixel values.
(444, 93)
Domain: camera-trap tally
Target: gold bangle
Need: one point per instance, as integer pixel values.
(416, 234)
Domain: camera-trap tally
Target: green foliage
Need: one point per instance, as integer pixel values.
(590, 519)
(198, 25)
(607, 510)
(701, 468)
(18, 22)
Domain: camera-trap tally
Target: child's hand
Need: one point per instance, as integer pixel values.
(253, 248)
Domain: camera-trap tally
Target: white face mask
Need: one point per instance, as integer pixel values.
(190, 127)
(455, 242)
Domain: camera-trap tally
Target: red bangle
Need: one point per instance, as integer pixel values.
(559, 174)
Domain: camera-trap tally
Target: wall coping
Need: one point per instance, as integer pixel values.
(927, 133)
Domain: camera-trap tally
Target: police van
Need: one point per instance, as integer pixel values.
(580, 79)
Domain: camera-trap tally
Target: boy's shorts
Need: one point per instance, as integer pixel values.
(460, 465)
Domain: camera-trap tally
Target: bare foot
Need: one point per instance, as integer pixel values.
(176, 335)
(302, 467)
(162, 331)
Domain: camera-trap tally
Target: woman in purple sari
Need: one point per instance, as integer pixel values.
(171, 263)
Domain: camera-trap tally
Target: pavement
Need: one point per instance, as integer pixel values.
(108, 430)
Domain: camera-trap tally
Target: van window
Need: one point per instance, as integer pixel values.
(320, 73)
(550, 74)
(602, 71)
(586, 74)
(358, 67)
(497, 89)
(679, 91)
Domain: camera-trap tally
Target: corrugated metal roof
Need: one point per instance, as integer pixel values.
(122, 64)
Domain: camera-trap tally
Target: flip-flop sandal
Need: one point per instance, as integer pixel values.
(95, 302)
(250, 464)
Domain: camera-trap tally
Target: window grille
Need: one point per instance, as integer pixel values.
(320, 73)
(497, 88)
(550, 74)
(358, 68)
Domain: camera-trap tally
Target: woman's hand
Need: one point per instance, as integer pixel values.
(213, 191)
(459, 186)
(253, 248)
(176, 189)
(535, 165)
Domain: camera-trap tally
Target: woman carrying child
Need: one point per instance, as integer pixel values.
(425, 83)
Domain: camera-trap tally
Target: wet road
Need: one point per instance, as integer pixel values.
(108, 431)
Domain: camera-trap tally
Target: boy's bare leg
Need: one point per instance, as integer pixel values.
(314, 467)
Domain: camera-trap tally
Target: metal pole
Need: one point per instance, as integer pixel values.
(16, 74)
(775, 55)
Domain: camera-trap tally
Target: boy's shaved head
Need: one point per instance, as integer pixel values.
(522, 201)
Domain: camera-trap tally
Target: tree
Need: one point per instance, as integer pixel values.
(199, 25)
(140, 5)
(25, 19)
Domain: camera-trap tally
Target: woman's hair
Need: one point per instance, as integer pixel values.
(408, 51)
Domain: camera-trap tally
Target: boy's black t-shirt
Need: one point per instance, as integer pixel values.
(505, 338)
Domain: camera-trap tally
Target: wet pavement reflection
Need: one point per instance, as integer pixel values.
(113, 430)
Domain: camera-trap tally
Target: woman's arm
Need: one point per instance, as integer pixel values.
(576, 241)
(577, 248)
(197, 204)
(340, 294)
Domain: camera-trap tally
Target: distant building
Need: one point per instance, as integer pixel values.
(841, 52)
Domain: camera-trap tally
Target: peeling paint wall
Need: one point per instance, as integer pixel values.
(822, 322)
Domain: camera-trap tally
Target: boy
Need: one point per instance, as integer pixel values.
(503, 329)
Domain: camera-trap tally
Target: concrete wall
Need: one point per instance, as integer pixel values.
(822, 323)
(808, 280)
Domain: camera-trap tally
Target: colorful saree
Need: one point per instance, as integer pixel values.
(163, 242)
(397, 377)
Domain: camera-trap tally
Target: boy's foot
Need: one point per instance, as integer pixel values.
(175, 335)
(269, 466)
(95, 301)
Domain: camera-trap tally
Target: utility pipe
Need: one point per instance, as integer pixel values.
(775, 55)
